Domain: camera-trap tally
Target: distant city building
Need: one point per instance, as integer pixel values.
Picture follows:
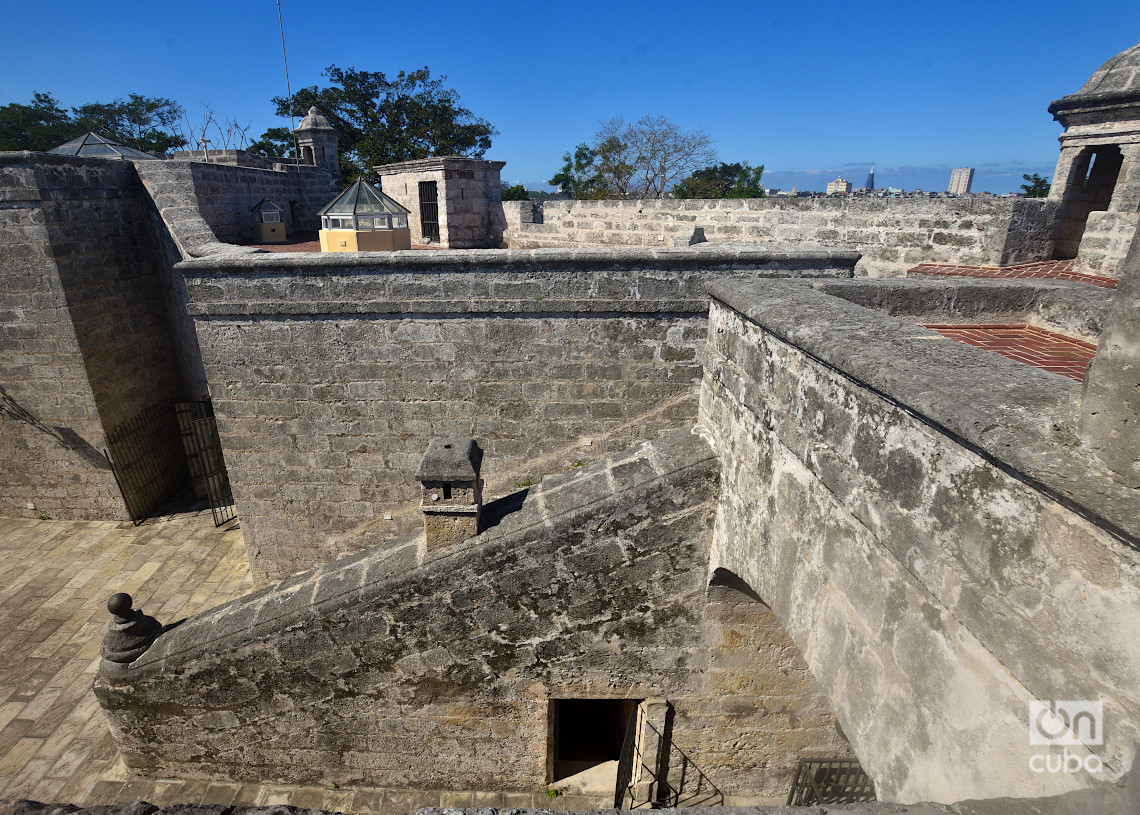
(870, 184)
(961, 179)
(839, 186)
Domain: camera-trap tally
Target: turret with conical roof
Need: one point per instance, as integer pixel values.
(317, 140)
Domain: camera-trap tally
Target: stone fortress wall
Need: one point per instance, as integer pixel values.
(84, 340)
(330, 374)
(893, 235)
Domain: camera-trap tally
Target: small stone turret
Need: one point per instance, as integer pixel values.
(452, 496)
(317, 140)
(129, 633)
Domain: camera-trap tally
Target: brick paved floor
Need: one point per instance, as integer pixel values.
(55, 578)
(1043, 270)
(1034, 346)
(55, 746)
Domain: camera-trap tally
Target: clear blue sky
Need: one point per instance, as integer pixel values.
(809, 89)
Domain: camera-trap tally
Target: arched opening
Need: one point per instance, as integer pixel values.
(307, 154)
(768, 708)
(1091, 182)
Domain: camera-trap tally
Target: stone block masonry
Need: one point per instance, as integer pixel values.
(331, 374)
(893, 235)
(82, 329)
(918, 516)
(379, 671)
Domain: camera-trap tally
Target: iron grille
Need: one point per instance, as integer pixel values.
(147, 459)
(674, 780)
(213, 464)
(830, 781)
(429, 210)
(188, 413)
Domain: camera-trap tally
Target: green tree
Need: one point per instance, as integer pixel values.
(40, 125)
(276, 142)
(143, 122)
(578, 177)
(1037, 187)
(642, 159)
(382, 120)
(515, 193)
(722, 181)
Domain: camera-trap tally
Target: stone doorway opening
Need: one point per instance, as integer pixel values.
(586, 733)
(1091, 183)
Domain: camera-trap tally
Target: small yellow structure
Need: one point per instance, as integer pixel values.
(270, 223)
(364, 219)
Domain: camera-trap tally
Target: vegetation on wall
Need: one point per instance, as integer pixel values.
(382, 121)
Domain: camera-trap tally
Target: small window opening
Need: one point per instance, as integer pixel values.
(588, 732)
(446, 491)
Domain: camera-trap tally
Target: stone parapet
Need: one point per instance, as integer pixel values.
(330, 374)
(893, 235)
(919, 516)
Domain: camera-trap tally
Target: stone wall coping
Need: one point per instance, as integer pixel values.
(365, 577)
(421, 165)
(1019, 418)
(453, 260)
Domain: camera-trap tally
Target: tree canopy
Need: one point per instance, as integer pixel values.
(641, 159)
(382, 120)
(143, 122)
(722, 181)
(1037, 187)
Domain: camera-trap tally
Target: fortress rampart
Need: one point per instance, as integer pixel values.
(892, 234)
(330, 373)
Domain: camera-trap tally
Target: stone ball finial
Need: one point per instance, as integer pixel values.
(120, 605)
(129, 633)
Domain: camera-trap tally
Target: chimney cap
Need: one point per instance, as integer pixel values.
(455, 459)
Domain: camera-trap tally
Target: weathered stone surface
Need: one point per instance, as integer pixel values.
(891, 234)
(548, 357)
(916, 513)
(1110, 405)
(441, 676)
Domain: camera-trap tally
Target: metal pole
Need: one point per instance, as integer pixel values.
(288, 89)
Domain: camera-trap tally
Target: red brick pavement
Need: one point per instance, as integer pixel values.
(1043, 270)
(1034, 346)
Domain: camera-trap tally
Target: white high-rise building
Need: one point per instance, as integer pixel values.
(961, 179)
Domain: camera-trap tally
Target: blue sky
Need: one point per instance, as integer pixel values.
(811, 90)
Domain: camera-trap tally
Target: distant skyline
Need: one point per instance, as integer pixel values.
(766, 82)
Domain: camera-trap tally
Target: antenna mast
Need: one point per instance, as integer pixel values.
(288, 90)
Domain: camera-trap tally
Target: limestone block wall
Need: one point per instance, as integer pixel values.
(469, 199)
(223, 196)
(918, 516)
(892, 234)
(388, 670)
(331, 374)
(86, 343)
(1105, 242)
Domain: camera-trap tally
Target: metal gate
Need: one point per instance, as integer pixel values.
(830, 781)
(147, 460)
(204, 455)
(429, 211)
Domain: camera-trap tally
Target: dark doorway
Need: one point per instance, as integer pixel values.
(429, 211)
(588, 732)
(1091, 183)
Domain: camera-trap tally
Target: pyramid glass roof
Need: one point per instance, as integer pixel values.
(92, 145)
(361, 198)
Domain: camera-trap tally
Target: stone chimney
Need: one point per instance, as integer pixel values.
(452, 492)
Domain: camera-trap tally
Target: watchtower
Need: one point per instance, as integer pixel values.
(317, 140)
